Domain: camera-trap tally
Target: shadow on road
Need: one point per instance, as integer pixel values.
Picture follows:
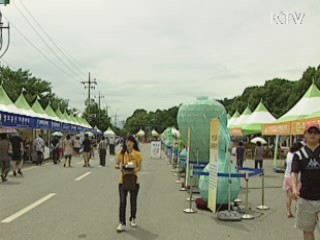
(236, 225)
(140, 233)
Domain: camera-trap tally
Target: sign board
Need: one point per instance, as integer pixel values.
(155, 149)
(214, 163)
(236, 132)
(297, 127)
(14, 120)
(283, 129)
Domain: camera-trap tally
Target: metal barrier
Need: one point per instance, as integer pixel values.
(250, 172)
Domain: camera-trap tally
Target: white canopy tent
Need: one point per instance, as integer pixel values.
(109, 133)
(154, 133)
(141, 133)
(242, 120)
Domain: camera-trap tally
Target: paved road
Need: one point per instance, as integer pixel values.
(88, 208)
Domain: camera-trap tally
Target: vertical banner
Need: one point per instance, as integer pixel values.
(188, 157)
(156, 149)
(214, 164)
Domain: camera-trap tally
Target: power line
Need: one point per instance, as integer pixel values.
(39, 51)
(52, 41)
(44, 41)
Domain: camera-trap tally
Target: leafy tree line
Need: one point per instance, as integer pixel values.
(147, 121)
(278, 95)
(16, 82)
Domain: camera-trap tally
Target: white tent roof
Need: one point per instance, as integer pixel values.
(141, 133)
(233, 118)
(154, 133)
(242, 120)
(109, 133)
(260, 115)
(307, 105)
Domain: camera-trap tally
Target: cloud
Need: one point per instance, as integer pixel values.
(157, 54)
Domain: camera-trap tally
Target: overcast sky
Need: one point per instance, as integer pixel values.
(155, 54)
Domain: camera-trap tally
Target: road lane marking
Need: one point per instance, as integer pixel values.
(33, 167)
(82, 176)
(27, 209)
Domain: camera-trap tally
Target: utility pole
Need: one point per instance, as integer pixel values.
(88, 84)
(99, 110)
(115, 119)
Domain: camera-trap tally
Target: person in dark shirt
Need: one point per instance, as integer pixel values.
(240, 152)
(86, 150)
(306, 162)
(17, 153)
(55, 150)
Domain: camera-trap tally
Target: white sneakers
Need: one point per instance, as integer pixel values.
(133, 223)
(121, 227)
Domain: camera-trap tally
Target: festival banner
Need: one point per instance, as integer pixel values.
(236, 132)
(14, 120)
(79, 129)
(297, 127)
(214, 163)
(73, 129)
(42, 124)
(188, 157)
(155, 149)
(66, 127)
(55, 126)
(275, 129)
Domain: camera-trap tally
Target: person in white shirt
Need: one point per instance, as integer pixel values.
(287, 185)
(39, 148)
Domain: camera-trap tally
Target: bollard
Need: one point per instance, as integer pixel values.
(190, 209)
(262, 206)
(178, 170)
(247, 216)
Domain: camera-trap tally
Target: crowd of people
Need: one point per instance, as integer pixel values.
(14, 151)
(129, 162)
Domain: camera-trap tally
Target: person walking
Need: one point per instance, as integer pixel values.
(39, 148)
(5, 152)
(112, 146)
(17, 153)
(55, 149)
(130, 163)
(68, 150)
(258, 156)
(306, 162)
(287, 185)
(240, 154)
(102, 149)
(87, 148)
(77, 145)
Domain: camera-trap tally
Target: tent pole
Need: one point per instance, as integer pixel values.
(275, 157)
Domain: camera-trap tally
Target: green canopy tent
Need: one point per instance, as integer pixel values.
(234, 117)
(242, 120)
(259, 117)
(306, 106)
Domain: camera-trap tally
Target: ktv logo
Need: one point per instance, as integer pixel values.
(286, 18)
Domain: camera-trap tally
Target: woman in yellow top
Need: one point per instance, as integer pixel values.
(129, 162)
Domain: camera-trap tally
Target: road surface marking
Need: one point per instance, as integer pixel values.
(111, 159)
(82, 176)
(30, 168)
(29, 208)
